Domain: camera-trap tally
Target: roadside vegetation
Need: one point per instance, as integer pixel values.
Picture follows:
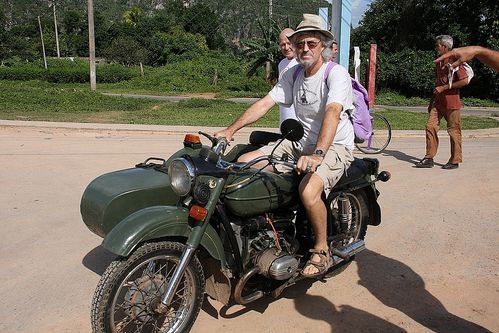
(183, 47)
(44, 101)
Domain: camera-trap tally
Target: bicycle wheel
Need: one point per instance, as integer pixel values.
(381, 136)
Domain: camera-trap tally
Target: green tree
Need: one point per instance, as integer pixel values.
(126, 51)
(133, 16)
(175, 45)
(403, 28)
(264, 52)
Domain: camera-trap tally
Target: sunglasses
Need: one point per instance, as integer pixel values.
(312, 44)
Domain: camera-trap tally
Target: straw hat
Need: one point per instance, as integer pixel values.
(311, 23)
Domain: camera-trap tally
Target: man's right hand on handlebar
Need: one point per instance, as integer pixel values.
(225, 133)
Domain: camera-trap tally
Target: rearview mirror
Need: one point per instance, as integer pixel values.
(292, 130)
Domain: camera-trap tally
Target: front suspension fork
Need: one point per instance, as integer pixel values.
(192, 243)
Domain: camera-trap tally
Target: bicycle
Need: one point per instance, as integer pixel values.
(380, 137)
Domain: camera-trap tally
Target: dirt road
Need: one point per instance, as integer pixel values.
(432, 265)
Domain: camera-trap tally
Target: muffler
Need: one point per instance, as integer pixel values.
(348, 251)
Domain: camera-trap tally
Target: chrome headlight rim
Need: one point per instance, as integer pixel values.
(181, 182)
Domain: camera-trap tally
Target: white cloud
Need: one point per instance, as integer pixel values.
(358, 9)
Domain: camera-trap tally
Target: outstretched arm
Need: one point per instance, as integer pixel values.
(462, 54)
(252, 114)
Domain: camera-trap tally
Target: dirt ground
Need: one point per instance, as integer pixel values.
(431, 266)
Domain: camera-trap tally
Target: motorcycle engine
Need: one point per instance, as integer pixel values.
(277, 265)
(273, 249)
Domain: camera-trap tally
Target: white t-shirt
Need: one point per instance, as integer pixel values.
(286, 112)
(310, 95)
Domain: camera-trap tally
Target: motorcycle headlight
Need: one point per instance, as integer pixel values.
(181, 174)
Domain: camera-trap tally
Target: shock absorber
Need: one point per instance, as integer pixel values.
(344, 212)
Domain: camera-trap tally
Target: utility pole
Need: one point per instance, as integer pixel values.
(56, 34)
(43, 44)
(270, 16)
(91, 44)
(268, 67)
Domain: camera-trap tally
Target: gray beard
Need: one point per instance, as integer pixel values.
(307, 65)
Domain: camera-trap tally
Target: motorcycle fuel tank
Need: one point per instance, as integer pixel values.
(250, 193)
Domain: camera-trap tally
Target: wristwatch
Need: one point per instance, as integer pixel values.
(320, 152)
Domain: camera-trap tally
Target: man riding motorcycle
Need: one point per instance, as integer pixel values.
(321, 105)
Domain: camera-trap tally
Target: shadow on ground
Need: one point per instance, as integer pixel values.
(340, 318)
(392, 282)
(396, 285)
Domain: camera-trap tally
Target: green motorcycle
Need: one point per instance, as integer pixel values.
(200, 222)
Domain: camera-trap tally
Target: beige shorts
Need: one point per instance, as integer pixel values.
(333, 166)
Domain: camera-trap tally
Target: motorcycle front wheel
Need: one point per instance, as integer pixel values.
(127, 296)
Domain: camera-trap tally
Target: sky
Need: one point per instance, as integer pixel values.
(358, 9)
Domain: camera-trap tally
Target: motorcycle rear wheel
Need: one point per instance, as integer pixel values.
(130, 289)
(358, 216)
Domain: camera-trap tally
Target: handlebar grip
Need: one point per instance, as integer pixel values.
(288, 164)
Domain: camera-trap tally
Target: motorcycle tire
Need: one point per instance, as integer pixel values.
(359, 213)
(130, 289)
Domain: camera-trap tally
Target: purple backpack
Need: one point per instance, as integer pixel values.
(360, 117)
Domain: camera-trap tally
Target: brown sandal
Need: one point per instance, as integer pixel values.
(322, 265)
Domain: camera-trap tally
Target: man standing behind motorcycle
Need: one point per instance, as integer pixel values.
(286, 64)
(325, 151)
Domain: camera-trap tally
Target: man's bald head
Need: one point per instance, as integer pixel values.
(285, 44)
(285, 32)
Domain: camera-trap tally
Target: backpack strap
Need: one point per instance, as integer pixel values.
(297, 72)
(329, 67)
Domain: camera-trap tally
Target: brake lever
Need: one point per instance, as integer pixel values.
(209, 137)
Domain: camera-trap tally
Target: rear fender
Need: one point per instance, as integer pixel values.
(158, 222)
(372, 201)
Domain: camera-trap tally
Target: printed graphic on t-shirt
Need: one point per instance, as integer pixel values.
(307, 97)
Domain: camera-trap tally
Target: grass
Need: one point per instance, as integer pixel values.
(42, 101)
(404, 120)
(393, 98)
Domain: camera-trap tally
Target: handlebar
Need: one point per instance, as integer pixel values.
(219, 145)
(270, 159)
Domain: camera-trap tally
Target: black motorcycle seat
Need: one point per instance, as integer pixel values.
(358, 168)
(263, 138)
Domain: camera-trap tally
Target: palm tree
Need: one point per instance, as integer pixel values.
(264, 51)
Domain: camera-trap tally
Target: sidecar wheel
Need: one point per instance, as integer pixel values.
(130, 289)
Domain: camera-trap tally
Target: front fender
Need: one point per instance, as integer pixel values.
(158, 222)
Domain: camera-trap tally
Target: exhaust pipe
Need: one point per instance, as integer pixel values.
(348, 251)
(238, 292)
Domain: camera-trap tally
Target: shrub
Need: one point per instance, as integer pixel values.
(66, 71)
(410, 72)
(125, 50)
(176, 45)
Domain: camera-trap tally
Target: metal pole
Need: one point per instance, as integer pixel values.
(372, 75)
(56, 34)
(336, 24)
(43, 44)
(91, 44)
(270, 16)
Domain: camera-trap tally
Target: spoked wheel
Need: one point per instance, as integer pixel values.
(381, 136)
(350, 215)
(127, 297)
